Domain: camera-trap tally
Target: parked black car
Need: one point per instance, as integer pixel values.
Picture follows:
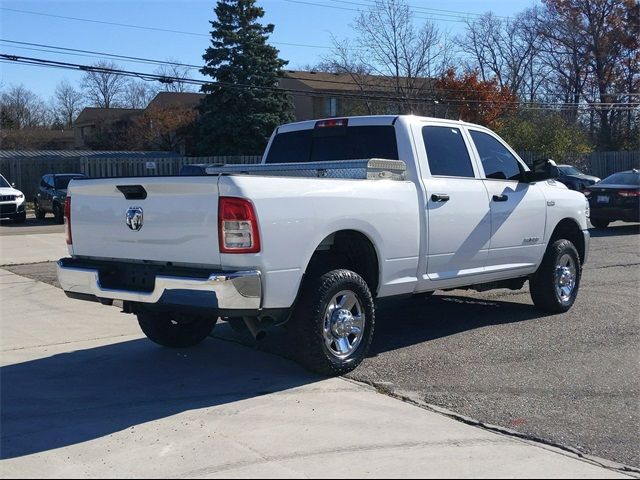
(617, 197)
(51, 194)
(573, 178)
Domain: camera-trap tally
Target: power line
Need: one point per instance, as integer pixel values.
(94, 54)
(108, 56)
(142, 27)
(335, 7)
(361, 96)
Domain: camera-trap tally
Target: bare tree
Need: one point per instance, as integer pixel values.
(391, 46)
(21, 108)
(504, 49)
(68, 101)
(595, 47)
(102, 86)
(174, 75)
(138, 94)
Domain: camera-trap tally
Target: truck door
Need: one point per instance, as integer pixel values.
(518, 209)
(457, 205)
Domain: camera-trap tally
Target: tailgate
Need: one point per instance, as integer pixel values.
(176, 222)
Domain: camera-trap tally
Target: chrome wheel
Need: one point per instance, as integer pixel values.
(344, 324)
(565, 277)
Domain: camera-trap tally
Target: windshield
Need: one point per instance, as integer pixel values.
(623, 178)
(569, 170)
(62, 182)
(4, 183)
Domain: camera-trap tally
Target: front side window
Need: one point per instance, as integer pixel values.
(447, 153)
(497, 161)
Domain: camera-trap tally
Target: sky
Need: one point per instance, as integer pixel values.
(309, 24)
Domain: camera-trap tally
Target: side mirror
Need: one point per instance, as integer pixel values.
(13, 185)
(542, 170)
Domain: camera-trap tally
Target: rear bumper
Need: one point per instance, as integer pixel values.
(216, 291)
(630, 214)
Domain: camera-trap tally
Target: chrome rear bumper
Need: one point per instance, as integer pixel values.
(240, 290)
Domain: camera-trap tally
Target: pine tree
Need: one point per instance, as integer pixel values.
(239, 113)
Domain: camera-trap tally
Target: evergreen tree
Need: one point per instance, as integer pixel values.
(240, 112)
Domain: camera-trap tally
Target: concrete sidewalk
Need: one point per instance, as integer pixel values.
(84, 395)
(17, 249)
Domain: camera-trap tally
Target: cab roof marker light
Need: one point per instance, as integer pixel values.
(334, 122)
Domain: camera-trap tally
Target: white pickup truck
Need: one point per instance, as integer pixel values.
(339, 213)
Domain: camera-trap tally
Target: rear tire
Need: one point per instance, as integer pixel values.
(58, 213)
(40, 214)
(554, 287)
(333, 323)
(600, 223)
(175, 331)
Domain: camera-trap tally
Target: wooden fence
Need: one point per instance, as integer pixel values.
(26, 172)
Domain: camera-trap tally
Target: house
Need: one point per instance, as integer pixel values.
(91, 120)
(315, 95)
(323, 94)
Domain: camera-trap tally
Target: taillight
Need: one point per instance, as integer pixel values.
(67, 220)
(237, 226)
(629, 193)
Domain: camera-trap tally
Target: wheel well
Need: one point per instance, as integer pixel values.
(570, 230)
(347, 249)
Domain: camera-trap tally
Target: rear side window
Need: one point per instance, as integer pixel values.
(498, 163)
(447, 153)
(334, 143)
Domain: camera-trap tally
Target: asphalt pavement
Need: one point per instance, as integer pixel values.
(32, 226)
(571, 379)
(85, 395)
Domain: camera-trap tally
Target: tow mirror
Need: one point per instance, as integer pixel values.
(542, 170)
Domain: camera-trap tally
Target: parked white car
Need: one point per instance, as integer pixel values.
(12, 202)
(339, 213)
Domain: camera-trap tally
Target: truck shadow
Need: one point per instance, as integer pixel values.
(615, 230)
(74, 397)
(404, 322)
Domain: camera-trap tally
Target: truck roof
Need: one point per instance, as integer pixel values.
(365, 120)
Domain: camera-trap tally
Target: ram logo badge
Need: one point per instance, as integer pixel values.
(134, 218)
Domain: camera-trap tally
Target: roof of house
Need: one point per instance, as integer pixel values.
(176, 99)
(345, 81)
(92, 115)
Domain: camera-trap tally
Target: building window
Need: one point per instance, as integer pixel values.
(331, 107)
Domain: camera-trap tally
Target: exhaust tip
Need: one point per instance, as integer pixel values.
(255, 328)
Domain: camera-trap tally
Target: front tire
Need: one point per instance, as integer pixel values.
(20, 217)
(333, 323)
(554, 286)
(175, 331)
(600, 223)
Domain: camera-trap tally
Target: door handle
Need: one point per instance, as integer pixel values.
(500, 198)
(440, 197)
